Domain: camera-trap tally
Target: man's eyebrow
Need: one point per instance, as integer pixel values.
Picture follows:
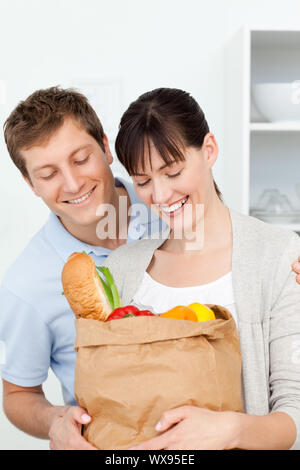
(49, 165)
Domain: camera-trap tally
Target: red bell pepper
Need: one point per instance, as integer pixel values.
(145, 313)
(128, 311)
(120, 312)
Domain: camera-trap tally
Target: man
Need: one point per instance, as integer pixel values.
(57, 142)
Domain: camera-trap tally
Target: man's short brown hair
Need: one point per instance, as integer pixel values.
(35, 120)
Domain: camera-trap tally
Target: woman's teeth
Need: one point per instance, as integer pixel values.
(83, 198)
(175, 206)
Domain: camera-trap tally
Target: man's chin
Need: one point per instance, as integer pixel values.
(83, 221)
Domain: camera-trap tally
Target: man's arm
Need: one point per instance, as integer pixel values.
(29, 410)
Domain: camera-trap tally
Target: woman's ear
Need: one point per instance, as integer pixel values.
(210, 149)
(108, 153)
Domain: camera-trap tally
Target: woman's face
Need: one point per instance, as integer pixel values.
(179, 192)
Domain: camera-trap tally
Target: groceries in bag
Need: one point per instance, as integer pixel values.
(132, 369)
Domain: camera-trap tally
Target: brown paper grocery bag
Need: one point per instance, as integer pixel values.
(129, 371)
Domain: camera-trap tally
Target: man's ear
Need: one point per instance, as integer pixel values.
(108, 153)
(210, 148)
(30, 185)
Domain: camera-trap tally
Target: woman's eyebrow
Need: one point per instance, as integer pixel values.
(159, 169)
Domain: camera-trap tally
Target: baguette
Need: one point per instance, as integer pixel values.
(83, 288)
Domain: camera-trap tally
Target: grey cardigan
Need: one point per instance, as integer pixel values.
(267, 301)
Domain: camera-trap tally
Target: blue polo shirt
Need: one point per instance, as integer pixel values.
(37, 325)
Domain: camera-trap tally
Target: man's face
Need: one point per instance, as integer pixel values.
(71, 173)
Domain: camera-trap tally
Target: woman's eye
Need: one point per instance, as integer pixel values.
(175, 174)
(142, 184)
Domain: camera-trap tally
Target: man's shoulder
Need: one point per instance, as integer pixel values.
(35, 264)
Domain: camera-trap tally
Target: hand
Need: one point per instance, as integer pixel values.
(65, 430)
(296, 268)
(190, 427)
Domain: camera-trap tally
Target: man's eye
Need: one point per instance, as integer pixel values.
(142, 184)
(174, 176)
(49, 176)
(81, 162)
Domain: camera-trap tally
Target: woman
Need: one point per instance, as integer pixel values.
(211, 255)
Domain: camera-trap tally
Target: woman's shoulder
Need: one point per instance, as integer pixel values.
(260, 232)
(134, 248)
(264, 247)
(128, 263)
(133, 256)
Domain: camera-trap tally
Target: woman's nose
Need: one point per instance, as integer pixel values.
(161, 193)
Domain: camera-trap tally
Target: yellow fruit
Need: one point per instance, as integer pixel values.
(203, 313)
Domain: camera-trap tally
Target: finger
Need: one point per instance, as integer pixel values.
(85, 445)
(171, 417)
(296, 267)
(80, 415)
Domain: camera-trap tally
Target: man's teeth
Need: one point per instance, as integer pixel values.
(83, 198)
(175, 207)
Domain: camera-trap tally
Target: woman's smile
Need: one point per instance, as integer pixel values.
(175, 208)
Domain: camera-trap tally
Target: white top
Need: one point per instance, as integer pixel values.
(161, 298)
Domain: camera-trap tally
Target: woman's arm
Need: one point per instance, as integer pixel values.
(189, 427)
(275, 431)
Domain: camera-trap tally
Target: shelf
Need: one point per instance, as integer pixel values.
(285, 39)
(259, 155)
(274, 127)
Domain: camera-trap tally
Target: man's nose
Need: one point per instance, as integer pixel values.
(71, 181)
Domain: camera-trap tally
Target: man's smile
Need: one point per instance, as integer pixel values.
(81, 199)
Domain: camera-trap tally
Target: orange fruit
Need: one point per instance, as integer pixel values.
(180, 313)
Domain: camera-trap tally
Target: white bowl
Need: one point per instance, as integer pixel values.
(277, 102)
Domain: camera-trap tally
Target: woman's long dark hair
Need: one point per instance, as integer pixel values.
(168, 118)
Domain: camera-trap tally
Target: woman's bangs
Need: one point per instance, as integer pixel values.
(169, 145)
(134, 153)
(138, 153)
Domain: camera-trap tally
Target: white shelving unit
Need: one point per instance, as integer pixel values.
(259, 155)
(274, 127)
